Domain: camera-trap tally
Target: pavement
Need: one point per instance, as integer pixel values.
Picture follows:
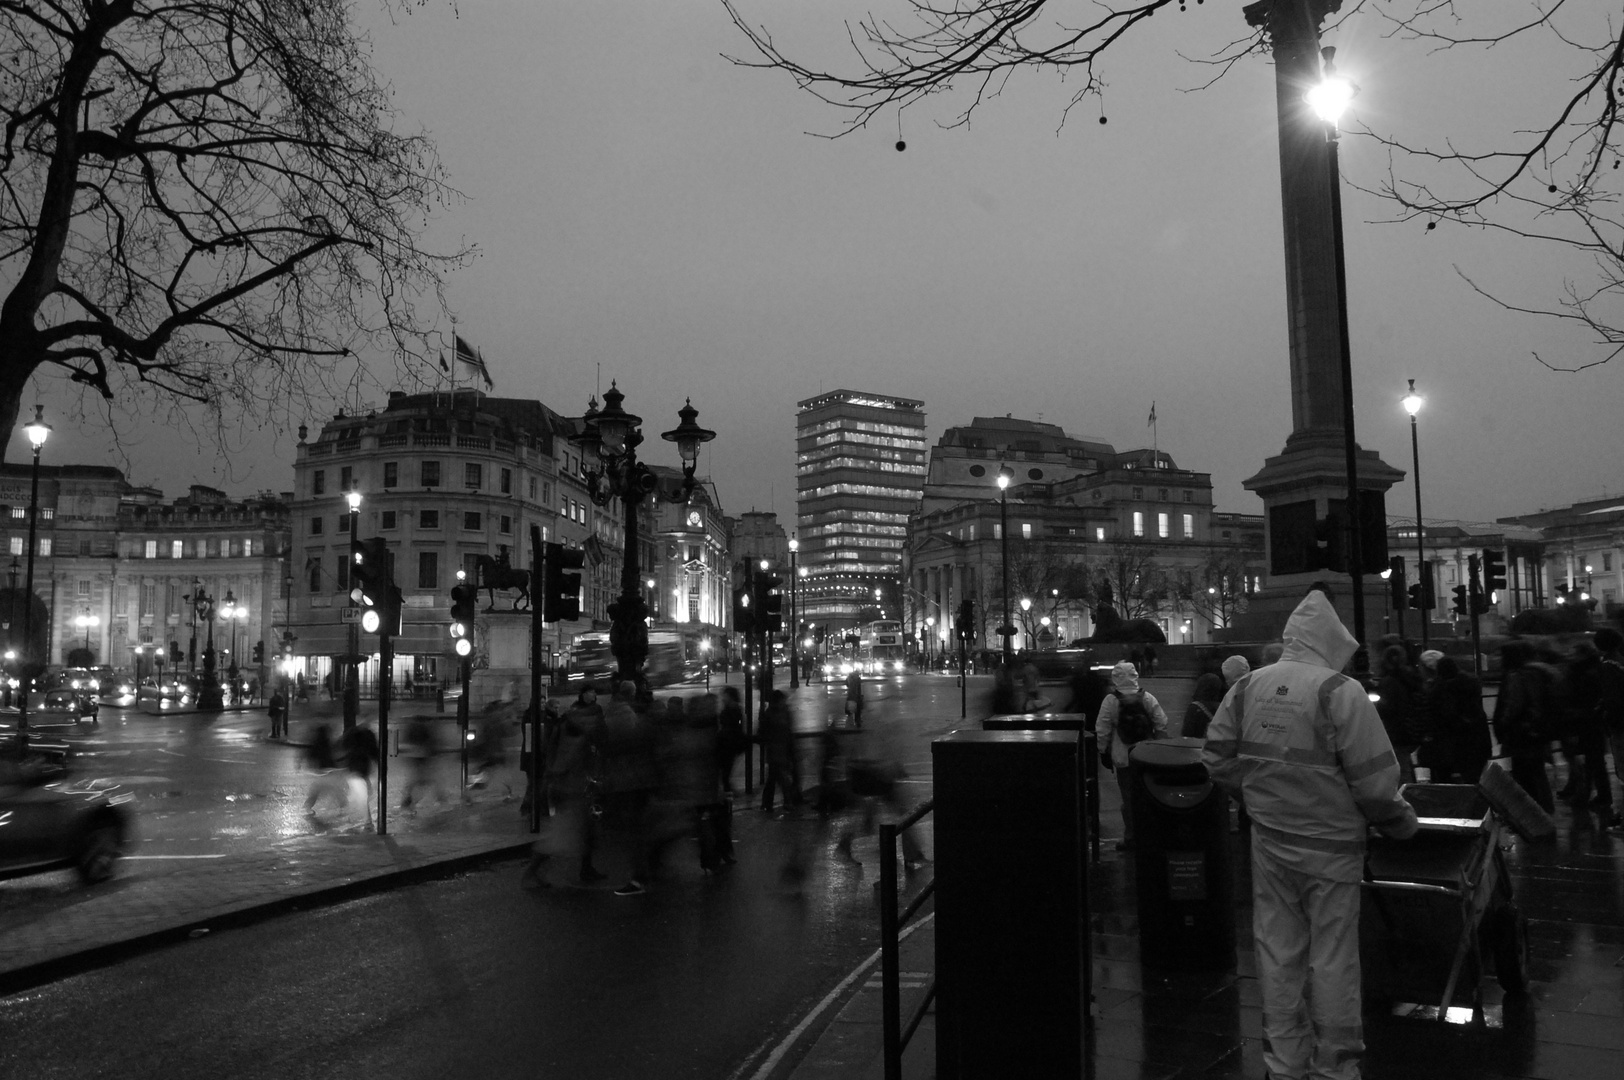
(1148, 1023)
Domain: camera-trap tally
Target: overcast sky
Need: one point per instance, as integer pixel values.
(644, 207)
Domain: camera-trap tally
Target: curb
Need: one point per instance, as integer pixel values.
(48, 971)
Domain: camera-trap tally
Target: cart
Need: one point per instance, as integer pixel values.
(1437, 903)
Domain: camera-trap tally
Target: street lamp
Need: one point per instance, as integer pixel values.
(352, 674)
(608, 440)
(85, 622)
(1328, 100)
(930, 630)
(794, 627)
(233, 613)
(1026, 611)
(37, 431)
(203, 608)
(1412, 404)
(1007, 630)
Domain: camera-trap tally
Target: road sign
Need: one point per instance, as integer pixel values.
(349, 614)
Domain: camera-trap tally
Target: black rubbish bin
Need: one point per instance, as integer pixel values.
(1185, 883)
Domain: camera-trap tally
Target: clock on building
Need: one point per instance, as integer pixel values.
(693, 517)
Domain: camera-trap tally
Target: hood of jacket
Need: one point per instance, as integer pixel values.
(1314, 635)
(1125, 678)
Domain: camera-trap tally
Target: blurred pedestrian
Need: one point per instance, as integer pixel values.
(1150, 661)
(330, 780)
(417, 747)
(730, 739)
(1520, 723)
(1610, 643)
(777, 738)
(1006, 691)
(1586, 685)
(1204, 701)
(1088, 690)
(874, 774)
(1233, 668)
(360, 746)
(630, 776)
(715, 813)
(854, 697)
(1032, 699)
(489, 756)
(1128, 715)
(573, 753)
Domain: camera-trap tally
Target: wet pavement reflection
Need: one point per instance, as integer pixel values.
(1156, 1025)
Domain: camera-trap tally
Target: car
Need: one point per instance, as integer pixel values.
(75, 704)
(48, 823)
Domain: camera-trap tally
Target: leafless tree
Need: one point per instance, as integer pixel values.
(204, 201)
(1217, 589)
(1138, 582)
(1554, 181)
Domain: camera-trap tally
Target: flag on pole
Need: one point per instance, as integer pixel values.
(445, 367)
(468, 355)
(1152, 421)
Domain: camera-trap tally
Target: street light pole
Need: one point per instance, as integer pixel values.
(352, 663)
(1328, 100)
(1006, 630)
(794, 624)
(37, 432)
(1412, 405)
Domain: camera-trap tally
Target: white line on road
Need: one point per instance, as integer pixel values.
(174, 856)
(806, 1021)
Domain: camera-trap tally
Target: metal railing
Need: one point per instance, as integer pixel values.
(896, 1033)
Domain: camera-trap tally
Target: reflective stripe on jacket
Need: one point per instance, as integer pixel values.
(1304, 748)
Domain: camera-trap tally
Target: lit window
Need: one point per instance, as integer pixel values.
(176, 550)
(152, 548)
(1099, 532)
(45, 546)
(1189, 526)
(247, 549)
(972, 531)
(18, 513)
(1139, 523)
(997, 531)
(48, 513)
(1162, 529)
(1026, 530)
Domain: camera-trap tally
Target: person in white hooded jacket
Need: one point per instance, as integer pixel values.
(1113, 747)
(1302, 745)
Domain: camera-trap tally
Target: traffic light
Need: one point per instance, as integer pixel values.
(371, 587)
(965, 621)
(1494, 572)
(1459, 603)
(259, 652)
(175, 655)
(744, 616)
(464, 599)
(1395, 583)
(817, 634)
(562, 600)
(772, 603)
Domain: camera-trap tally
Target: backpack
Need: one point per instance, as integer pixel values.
(1134, 723)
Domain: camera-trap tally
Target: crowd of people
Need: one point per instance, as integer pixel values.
(658, 773)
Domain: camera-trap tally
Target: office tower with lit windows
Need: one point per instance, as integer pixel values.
(860, 468)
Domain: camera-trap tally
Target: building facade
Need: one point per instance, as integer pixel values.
(1086, 524)
(450, 481)
(138, 582)
(860, 467)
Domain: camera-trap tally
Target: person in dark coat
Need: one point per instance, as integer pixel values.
(1461, 744)
(854, 697)
(777, 738)
(1088, 690)
(360, 748)
(1592, 786)
(1204, 702)
(730, 737)
(1399, 688)
(1520, 723)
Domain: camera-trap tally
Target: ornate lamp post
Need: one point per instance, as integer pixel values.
(233, 613)
(37, 431)
(352, 662)
(608, 440)
(1026, 618)
(84, 622)
(1412, 404)
(208, 694)
(1007, 631)
(930, 629)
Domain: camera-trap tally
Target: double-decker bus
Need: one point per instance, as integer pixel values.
(674, 656)
(882, 649)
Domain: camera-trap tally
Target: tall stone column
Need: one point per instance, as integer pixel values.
(1306, 484)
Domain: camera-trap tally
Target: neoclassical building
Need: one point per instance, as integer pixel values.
(121, 571)
(1079, 513)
